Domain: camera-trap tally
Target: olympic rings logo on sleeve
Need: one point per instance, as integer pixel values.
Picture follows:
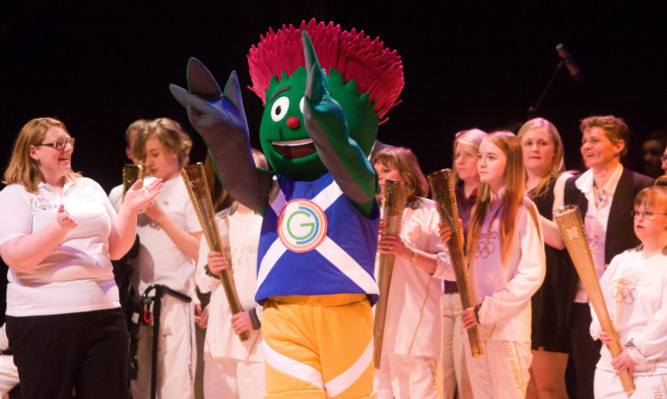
(302, 225)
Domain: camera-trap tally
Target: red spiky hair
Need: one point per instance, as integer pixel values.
(375, 69)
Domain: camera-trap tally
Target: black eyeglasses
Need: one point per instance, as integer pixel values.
(645, 215)
(58, 145)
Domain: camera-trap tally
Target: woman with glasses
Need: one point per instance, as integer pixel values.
(58, 234)
(604, 194)
(635, 291)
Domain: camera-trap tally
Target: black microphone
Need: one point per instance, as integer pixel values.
(575, 72)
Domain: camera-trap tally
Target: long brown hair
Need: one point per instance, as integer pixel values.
(24, 170)
(510, 145)
(405, 162)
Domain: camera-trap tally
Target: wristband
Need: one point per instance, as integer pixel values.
(208, 272)
(254, 320)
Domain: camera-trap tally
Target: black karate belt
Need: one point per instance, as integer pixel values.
(154, 317)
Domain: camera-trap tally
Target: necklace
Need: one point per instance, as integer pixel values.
(598, 193)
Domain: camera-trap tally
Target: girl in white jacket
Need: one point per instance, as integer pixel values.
(412, 337)
(635, 291)
(507, 265)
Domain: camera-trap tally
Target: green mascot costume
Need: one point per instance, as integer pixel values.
(325, 91)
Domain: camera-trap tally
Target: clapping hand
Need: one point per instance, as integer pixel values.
(64, 220)
(137, 197)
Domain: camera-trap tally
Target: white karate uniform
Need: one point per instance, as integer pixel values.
(161, 262)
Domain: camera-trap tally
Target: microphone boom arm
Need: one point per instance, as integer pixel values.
(533, 110)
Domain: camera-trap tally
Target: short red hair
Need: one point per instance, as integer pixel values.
(375, 69)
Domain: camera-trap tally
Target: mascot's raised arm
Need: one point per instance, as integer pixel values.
(325, 91)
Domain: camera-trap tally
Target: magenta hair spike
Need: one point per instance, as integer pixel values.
(375, 69)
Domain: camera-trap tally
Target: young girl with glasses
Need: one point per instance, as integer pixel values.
(635, 291)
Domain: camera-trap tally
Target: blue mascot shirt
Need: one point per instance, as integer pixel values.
(315, 242)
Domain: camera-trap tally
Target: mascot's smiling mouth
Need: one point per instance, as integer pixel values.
(294, 148)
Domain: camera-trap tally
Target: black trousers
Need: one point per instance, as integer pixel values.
(584, 354)
(85, 351)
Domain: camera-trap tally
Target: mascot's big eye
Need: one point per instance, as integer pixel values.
(302, 104)
(279, 109)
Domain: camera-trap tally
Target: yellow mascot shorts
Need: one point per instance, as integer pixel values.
(318, 347)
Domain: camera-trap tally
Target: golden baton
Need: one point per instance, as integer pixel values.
(571, 229)
(131, 173)
(195, 181)
(442, 187)
(393, 204)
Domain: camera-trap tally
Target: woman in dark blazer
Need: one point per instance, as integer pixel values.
(604, 195)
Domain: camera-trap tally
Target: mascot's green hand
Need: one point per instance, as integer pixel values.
(325, 112)
(220, 120)
(326, 124)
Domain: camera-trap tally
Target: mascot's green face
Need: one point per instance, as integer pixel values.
(284, 140)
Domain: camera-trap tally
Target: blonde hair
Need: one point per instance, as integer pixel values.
(406, 163)
(24, 170)
(472, 138)
(557, 165)
(170, 134)
(653, 197)
(510, 145)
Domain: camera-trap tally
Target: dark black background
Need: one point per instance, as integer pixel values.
(99, 65)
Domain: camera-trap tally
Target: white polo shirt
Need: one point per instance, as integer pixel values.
(77, 276)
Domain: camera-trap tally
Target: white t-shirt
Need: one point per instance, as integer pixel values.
(159, 260)
(240, 236)
(77, 276)
(635, 292)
